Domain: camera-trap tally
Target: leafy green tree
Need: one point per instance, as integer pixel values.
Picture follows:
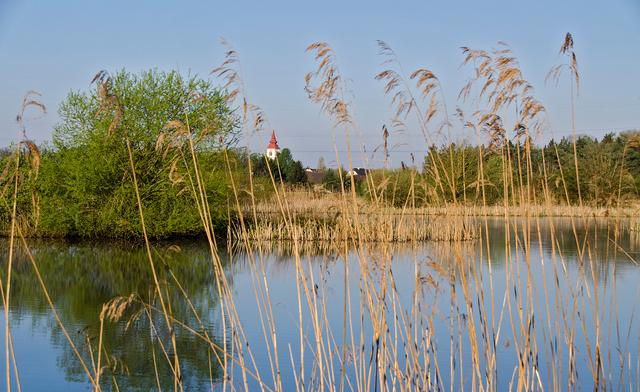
(331, 180)
(85, 182)
(321, 164)
(284, 167)
(292, 170)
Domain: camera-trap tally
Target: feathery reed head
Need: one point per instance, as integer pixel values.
(402, 97)
(32, 152)
(229, 73)
(572, 63)
(567, 45)
(114, 309)
(109, 102)
(501, 84)
(325, 85)
(30, 100)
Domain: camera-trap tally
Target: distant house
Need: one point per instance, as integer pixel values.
(314, 176)
(358, 172)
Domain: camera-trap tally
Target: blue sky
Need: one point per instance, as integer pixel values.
(57, 46)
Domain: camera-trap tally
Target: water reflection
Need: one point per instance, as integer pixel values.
(538, 267)
(81, 277)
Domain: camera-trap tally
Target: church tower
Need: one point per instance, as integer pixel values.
(273, 149)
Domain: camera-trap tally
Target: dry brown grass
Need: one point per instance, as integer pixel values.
(309, 203)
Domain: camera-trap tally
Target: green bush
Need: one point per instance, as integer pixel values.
(284, 167)
(85, 185)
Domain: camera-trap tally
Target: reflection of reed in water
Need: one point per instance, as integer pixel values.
(84, 276)
(634, 237)
(633, 227)
(287, 249)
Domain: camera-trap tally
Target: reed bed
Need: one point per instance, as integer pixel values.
(308, 203)
(371, 228)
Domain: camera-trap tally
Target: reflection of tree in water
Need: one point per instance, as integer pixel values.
(82, 277)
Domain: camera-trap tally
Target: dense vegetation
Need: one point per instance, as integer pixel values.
(609, 172)
(81, 185)
(285, 168)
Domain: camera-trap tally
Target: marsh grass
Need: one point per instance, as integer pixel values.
(306, 203)
(375, 227)
(549, 328)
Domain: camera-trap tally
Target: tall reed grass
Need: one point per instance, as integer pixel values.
(379, 342)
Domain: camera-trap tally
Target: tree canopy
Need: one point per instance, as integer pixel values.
(84, 186)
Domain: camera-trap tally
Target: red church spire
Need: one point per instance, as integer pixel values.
(273, 143)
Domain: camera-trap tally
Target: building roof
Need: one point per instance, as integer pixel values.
(315, 176)
(359, 171)
(273, 143)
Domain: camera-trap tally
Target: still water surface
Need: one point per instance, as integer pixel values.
(81, 277)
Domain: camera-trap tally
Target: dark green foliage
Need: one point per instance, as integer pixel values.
(457, 168)
(291, 170)
(283, 168)
(85, 184)
(331, 180)
(609, 168)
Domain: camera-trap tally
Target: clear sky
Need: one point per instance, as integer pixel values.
(57, 46)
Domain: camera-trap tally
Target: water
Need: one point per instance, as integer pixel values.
(548, 289)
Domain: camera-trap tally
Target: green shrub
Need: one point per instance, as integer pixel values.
(85, 185)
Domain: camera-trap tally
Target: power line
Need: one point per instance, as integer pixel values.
(551, 132)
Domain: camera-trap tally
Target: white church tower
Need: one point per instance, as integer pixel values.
(273, 149)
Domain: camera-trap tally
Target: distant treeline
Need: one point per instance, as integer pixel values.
(608, 171)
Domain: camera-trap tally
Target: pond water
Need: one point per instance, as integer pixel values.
(556, 296)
